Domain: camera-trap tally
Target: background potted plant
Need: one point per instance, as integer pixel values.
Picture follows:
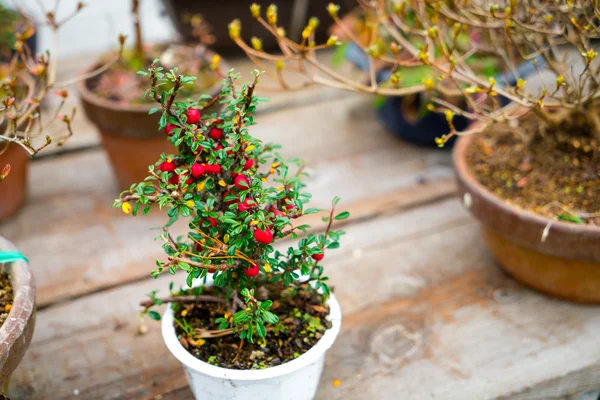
(531, 177)
(262, 318)
(26, 79)
(113, 99)
(17, 309)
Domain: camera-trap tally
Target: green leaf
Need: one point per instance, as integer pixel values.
(333, 245)
(270, 317)
(154, 315)
(342, 215)
(570, 218)
(311, 211)
(261, 330)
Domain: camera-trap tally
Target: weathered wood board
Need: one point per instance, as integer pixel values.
(437, 319)
(90, 246)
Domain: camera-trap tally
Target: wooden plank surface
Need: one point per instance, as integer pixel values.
(85, 245)
(437, 319)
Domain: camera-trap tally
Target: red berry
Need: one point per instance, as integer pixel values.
(198, 170)
(229, 152)
(215, 133)
(167, 166)
(264, 237)
(193, 116)
(245, 205)
(248, 164)
(241, 182)
(169, 128)
(318, 256)
(213, 168)
(212, 271)
(277, 213)
(229, 202)
(189, 181)
(198, 247)
(174, 180)
(252, 271)
(289, 206)
(219, 146)
(212, 222)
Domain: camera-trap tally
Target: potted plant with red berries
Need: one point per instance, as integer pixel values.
(254, 320)
(114, 99)
(531, 176)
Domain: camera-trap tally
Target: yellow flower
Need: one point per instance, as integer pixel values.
(333, 10)
(279, 65)
(255, 10)
(337, 383)
(214, 65)
(279, 187)
(200, 186)
(222, 183)
(256, 43)
(250, 148)
(190, 203)
(267, 267)
(126, 207)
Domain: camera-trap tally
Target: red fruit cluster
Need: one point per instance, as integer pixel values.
(198, 170)
(169, 166)
(245, 205)
(212, 221)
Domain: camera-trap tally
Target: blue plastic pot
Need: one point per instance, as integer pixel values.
(431, 125)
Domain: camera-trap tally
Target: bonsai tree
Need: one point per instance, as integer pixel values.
(238, 196)
(26, 80)
(550, 127)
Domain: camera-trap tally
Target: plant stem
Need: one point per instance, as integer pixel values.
(139, 46)
(184, 299)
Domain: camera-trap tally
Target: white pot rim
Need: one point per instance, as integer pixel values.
(312, 355)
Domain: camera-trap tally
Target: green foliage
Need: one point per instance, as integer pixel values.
(253, 190)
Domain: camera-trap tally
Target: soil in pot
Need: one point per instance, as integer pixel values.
(6, 296)
(121, 83)
(555, 174)
(302, 322)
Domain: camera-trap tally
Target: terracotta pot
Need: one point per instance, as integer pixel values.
(17, 330)
(130, 135)
(563, 262)
(13, 189)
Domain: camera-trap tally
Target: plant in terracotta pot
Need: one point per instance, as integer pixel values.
(532, 175)
(254, 320)
(17, 309)
(113, 100)
(26, 81)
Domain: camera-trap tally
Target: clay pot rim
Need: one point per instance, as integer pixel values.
(98, 101)
(474, 186)
(21, 279)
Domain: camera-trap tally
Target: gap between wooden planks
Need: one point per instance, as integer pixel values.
(78, 244)
(427, 314)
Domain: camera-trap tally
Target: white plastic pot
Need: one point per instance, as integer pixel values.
(295, 380)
